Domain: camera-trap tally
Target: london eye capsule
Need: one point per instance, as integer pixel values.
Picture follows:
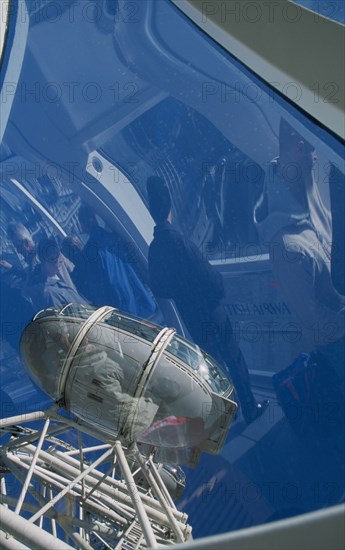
(130, 379)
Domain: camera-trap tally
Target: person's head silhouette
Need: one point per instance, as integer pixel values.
(159, 199)
(21, 239)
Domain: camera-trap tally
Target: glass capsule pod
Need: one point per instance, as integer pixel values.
(131, 379)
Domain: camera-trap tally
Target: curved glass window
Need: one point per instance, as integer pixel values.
(257, 191)
(201, 363)
(133, 326)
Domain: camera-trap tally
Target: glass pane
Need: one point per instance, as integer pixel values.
(133, 326)
(228, 147)
(192, 356)
(198, 361)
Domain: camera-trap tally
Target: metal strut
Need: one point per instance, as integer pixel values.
(58, 490)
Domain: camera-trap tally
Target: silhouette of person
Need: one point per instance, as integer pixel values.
(178, 271)
(294, 223)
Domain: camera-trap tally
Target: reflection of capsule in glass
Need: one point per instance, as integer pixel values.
(128, 378)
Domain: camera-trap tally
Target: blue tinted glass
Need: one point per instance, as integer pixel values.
(251, 269)
(333, 9)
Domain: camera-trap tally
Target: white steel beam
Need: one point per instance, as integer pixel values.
(29, 534)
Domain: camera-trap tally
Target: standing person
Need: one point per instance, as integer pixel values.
(179, 272)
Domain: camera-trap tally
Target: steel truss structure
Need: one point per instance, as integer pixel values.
(59, 492)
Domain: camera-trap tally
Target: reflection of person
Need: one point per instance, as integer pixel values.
(98, 389)
(179, 272)
(109, 278)
(25, 245)
(99, 380)
(294, 223)
(47, 288)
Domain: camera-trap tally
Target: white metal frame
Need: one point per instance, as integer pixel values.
(58, 492)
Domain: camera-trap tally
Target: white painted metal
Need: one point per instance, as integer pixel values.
(138, 505)
(7, 542)
(126, 195)
(31, 470)
(83, 497)
(158, 346)
(31, 535)
(151, 480)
